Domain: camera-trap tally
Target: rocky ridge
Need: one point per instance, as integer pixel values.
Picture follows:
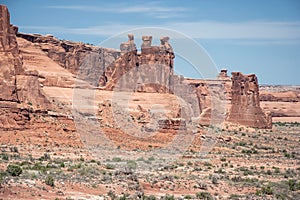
(151, 70)
(25, 109)
(283, 102)
(87, 61)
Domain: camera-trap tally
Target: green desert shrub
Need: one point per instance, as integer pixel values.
(204, 195)
(111, 194)
(2, 175)
(168, 197)
(188, 197)
(124, 197)
(131, 164)
(151, 197)
(265, 190)
(110, 166)
(49, 180)
(293, 185)
(4, 156)
(14, 170)
(116, 159)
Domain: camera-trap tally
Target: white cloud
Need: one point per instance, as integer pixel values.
(200, 30)
(105, 30)
(267, 42)
(241, 30)
(152, 9)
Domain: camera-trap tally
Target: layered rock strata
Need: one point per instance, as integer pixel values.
(148, 71)
(245, 105)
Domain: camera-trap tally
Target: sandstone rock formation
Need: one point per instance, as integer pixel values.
(11, 63)
(245, 105)
(12, 117)
(129, 46)
(122, 69)
(152, 70)
(213, 98)
(279, 93)
(223, 75)
(29, 90)
(172, 124)
(16, 85)
(88, 62)
(22, 101)
(157, 66)
(283, 102)
(149, 71)
(237, 97)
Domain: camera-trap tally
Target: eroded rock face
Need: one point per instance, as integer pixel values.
(12, 117)
(213, 98)
(171, 124)
(20, 89)
(16, 84)
(223, 75)
(245, 105)
(29, 91)
(283, 102)
(129, 46)
(87, 61)
(149, 71)
(10, 61)
(235, 100)
(152, 71)
(122, 71)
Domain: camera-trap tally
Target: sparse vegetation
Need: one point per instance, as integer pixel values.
(116, 159)
(293, 185)
(204, 195)
(265, 190)
(168, 197)
(4, 156)
(110, 166)
(221, 169)
(14, 170)
(49, 180)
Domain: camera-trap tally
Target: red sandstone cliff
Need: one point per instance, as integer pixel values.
(152, 70)
(11, 63)
(24, 108)
(245, 104)
(88, 62)
(148, 71)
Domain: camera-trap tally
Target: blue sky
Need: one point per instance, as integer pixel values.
(259, 36)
